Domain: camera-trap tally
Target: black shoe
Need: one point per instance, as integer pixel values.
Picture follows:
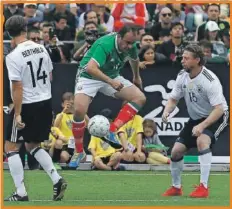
(59, 189)
(16, 197)
(119, 168)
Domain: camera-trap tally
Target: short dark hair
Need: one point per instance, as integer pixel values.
(60, 16)
(145, 34)
(143, 50)
(33, 30)
(197, 52)
(206, 44)
(176, 24)
(213, 4)
(90, 22)
(15, 25)
(86, 13)
(46, 25)
(67, 96)
(127, 28)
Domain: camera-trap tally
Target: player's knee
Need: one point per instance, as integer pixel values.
(203, 144)
(32, 146)
(140, 99)
(10, 147)
(80, 110)
(58, 144)
(176, 155)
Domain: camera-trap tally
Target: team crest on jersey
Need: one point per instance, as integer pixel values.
(129, 132)
(199, 89)
(69, 123)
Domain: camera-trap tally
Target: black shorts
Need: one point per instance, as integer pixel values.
(38, 120)
(69, 150)
(105, 160)
(213, 131)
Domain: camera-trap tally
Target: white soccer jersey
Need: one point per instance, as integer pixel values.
(30, 63)
(201, 93)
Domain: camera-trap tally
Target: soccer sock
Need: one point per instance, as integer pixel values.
(17, 172)
(128, 111)
(56, 155)
(78, 129)
(205, 164)
(45, 161)
(176, 169)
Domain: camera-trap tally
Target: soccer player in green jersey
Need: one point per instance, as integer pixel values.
(99, 71)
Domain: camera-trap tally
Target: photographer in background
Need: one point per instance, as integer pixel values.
(50, 42)
(91, 35)
(173, 48)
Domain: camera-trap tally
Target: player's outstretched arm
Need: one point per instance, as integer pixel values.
(217, 112)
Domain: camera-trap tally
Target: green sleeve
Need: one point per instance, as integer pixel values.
(100, 55)
(134, 52)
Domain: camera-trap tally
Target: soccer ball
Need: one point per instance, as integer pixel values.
(99, 126)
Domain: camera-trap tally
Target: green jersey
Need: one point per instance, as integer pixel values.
(105, 52)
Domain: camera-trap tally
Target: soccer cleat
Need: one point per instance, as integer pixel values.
(173, 191)
(16, 197)
(200, 192)
(59, 189)
(112, 140)
(76, 159)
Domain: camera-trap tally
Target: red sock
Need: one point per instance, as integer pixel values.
(126, 114)
(78, 130)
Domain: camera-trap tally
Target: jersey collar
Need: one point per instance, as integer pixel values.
(116, 44)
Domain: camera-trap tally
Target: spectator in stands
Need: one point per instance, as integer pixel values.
(70, 18)
(108, 18)
(226, 38)
(65, 53)
(164, 24)
(148, 56)
(213, 11)
(164, 36)
(10, 10)
(146, 39)
(130, 136)
(212, 31)
(50, 42)
(82, 46)
(173, 48)
(195, 15)
(33, 34)
(135, 13)
(210, 57)
(178, 14)
(62, 30)
(155, 156)
(32, 15)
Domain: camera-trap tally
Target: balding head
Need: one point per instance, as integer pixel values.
(166, 15)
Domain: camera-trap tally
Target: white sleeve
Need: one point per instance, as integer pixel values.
(81, 21)
(109, 25)
(14, 70)
(215, 93)
(177, 91)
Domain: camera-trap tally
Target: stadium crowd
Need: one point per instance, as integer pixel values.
(68, 30)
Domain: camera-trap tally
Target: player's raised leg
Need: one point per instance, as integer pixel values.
(205, 157)
(136, 99)
(81, 104)
(176, 168)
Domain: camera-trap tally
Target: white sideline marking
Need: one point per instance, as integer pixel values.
(176, 199)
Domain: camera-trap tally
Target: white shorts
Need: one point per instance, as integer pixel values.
(91, 87)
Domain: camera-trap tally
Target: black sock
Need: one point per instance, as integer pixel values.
(56, 155)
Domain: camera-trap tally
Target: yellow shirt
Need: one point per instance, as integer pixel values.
(132, 128)
(66, 124)
(101, 148)
(52, 139)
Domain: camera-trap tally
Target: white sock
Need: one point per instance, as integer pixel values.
(17, 173)
(45, 161)
(176, 169)
(205, 163)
